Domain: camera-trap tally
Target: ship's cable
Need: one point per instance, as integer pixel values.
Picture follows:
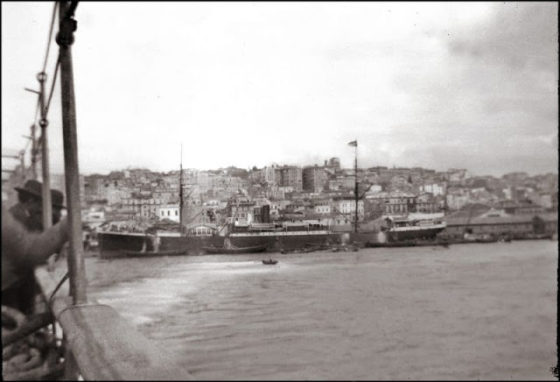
(53, 17)
(47, 106)
(64, 278)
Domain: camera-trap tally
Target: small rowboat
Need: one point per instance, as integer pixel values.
(269, 262)
(169, 252)
(235, 250)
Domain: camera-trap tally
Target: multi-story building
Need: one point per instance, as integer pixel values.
(347, 206)
(93, 218)
(290, 176)
(457, 176)
(324, 208)
(269, 175)
(168, 211)
(240, 210)
(392, 203)
(334, 163)
(374, 188)
(427, 203)
(433, 188)
(149, 210)
(341, 183)
(515, 178)
(314, 179)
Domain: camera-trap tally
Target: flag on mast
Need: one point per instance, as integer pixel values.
(353, 143)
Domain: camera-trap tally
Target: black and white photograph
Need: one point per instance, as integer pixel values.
(279, 190)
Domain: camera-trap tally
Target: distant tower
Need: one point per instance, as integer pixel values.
(335, 163)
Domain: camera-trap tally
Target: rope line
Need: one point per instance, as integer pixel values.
(50, 35)
(79, 306)
(52, 86)
(64, 278)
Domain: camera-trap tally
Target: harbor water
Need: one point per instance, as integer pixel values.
(471, 311)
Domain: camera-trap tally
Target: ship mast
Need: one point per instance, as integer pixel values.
(65, 38)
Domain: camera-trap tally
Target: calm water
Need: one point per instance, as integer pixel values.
(478, 311)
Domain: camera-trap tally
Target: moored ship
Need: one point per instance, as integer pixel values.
(413, 227)
(283, 236)
(273, 236)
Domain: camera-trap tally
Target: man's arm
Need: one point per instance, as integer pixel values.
(30, 248)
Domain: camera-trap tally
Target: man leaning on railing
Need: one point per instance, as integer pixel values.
(28, 352)
(23, 250)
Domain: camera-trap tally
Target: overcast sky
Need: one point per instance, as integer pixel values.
(467, 85)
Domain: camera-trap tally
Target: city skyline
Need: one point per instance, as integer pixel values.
(435, 85)
(280, 165)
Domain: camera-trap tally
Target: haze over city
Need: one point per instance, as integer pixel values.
(435, 85)
(279, 190)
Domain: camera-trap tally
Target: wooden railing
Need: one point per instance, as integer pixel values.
(102, 344)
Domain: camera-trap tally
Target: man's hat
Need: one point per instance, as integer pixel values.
(34, 188)
(57, 198)
(31, 187)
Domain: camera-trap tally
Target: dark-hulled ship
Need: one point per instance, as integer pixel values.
(274, 236)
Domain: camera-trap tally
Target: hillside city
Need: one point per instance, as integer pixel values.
(325, 193)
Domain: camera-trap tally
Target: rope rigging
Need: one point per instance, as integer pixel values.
(50, 35)
(57, 67)
(41, 111)
(30, 349)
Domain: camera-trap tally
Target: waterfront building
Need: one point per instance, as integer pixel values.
(168, 211)
(240, 210)
(517, 226)
(149, 209)
(322, 208)
(92, 217)
(347, 206)
(523, 208)
(274, 210)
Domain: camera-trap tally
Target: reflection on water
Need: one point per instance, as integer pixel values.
(478, 311)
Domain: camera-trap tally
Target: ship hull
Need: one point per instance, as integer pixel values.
(428, 233)
(115, 244)
(279, 241)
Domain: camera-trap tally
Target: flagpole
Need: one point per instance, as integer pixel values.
(356, 186)
(181, 193)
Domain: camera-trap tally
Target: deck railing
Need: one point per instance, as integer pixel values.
(100, 343)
